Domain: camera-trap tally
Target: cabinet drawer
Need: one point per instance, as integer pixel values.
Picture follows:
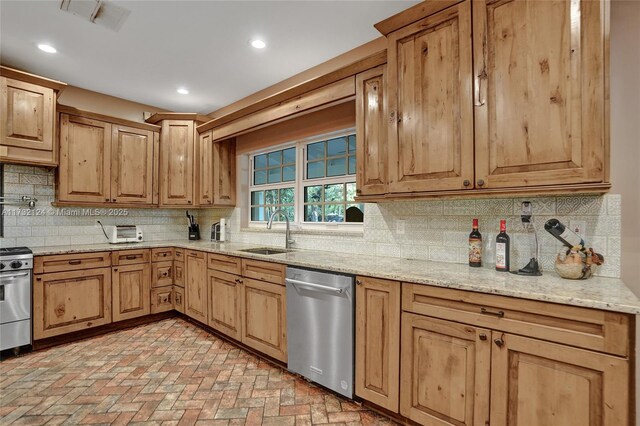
(178, 273)
(196, 254)
(162, 274)
(228, 264)
(178, 299)
(130, 257)
(160, 254)
(178, 254)
(570, 325)
(264, 271)
(161, 299)
(70, 262)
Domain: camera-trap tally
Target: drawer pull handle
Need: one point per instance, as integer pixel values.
(133, 256)
(485, 311)
(75, 262)
(483, 336)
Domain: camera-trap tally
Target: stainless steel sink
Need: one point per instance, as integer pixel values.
(266, 250)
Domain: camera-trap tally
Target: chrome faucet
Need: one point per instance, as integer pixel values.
(282, 213)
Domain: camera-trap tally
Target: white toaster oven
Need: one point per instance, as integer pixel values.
(124, 234)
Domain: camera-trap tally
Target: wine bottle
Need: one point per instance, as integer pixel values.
(565, 235)
(502, 248)
(475, 246)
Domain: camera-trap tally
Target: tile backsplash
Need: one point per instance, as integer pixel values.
(433, 229)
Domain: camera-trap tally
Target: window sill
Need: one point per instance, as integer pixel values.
(329, 230)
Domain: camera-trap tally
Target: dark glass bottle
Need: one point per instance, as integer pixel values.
(502, 248)
(565, 235)
(475, 246)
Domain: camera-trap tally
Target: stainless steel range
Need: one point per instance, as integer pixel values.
(16, 265)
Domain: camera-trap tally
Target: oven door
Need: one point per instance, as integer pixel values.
(15, 296)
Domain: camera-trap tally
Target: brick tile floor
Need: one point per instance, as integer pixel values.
(166, 373)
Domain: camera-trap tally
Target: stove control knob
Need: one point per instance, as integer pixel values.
(16, 264)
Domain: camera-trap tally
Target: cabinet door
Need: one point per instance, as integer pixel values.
(85, 155)
(178, 299)
(264, 318)
(196, 286)
(131, 289)
(131, 165)
(161, 299)
(378, 341)
(225, 295)
(535, 382)
(64, 302)
(178, 273)
(27, 115)
(540, 112)
(162, 274)
(205, 169)
(224, 173)
(430, 103)
(372, 129)
(176, 162)
(445, 372)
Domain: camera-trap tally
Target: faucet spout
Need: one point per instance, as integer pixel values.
(282, 213)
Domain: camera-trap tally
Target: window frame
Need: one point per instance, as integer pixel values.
(300, 182)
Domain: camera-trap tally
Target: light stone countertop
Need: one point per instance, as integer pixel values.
(601, 293)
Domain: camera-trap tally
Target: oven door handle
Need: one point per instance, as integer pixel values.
(13, 277)
(315, 286)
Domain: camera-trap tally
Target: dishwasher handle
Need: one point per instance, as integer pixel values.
(315, 286)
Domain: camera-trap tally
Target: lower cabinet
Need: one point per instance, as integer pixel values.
(378, 341)
(178, 299)
(225, 297)
(196, 286)
(264, 318)
(161, 299)
(130, 290)
(65, 302)
(445, 372)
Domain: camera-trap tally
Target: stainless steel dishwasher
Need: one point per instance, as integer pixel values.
(320, 327)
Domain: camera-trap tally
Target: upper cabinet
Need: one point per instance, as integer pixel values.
(27, 118)
(105, 160)
(204, 184)
(224, 173)
(490, 96)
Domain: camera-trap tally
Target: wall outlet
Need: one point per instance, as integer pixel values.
(400, 227)
(579, 227)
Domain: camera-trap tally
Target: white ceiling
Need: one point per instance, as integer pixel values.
(201, 45)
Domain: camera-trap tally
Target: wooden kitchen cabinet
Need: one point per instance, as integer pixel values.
(196, 298)
(162, 274)
(264, 318)
(445, 375)
(161, 299)
(131, 290)
(204, 160)
(535, 382)
(105, 160)
(224, 173)
(378, 341)
(371, 131)
(28, 118)
(178, 299)
(225, 303)
(540, 115)
(431, 103)
(176, 163)
(64, 302)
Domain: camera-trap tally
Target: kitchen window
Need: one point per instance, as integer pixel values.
(312, 181)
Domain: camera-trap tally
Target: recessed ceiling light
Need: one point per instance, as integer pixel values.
(183, 91)
(258, 44)
(47, 48)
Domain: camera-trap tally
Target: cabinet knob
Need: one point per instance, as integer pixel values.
(359, 282)
(466, 182)
(106, 199)
(483, 336)
(499, 342)
(113, 200)
(358, 191)
(38, 279)
(115, 270)
(480, 182)
(189, 201)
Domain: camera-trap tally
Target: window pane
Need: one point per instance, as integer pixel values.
(355, 213)
(257, 213)
(315, 151)
(313, 213)
(275, 158)
(336, 167)
(260, 161)
(336, 147)
(352, 144)
(333, 193)
(352, 165)
(334, 213)
(289, 156)
(257, 198)
(288, 173)
(289, 212)
(351, 191)
(274, 175)
(260, 177)
(287, 195)
(313, 194)
(271, 196)
(315, 170)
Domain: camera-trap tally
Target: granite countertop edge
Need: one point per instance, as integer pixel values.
(609, 294)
